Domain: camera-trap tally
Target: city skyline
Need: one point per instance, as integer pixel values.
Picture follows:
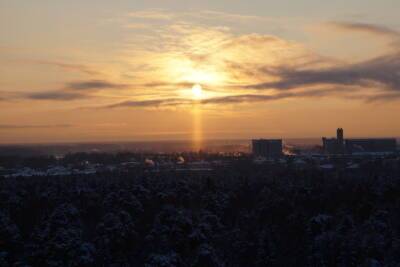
(171, 70)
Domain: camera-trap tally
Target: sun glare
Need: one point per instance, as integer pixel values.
(197, 91)
(185, 70)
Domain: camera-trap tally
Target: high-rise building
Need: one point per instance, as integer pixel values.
(340, 136)
(269, 148)
(339, 145)
(334, 145)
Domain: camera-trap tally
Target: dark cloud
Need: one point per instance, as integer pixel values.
(95, 84)
(382, 72)
(383, 97)
(249, 98)
(85, 89)
(165, 84)
(29, 126)
(55, 95)
(151, 103)
(365, 27)
(297, 78)
(230, 99)
(73, 91)
(235, 99)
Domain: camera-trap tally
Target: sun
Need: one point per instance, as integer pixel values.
(197, 91)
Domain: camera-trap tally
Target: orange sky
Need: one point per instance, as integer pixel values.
(145, 73)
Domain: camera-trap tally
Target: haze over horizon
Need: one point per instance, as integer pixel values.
(102, 71)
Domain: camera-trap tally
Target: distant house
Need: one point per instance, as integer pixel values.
(375, 145)
(268, 148)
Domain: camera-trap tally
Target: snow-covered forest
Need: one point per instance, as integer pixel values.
(244, 215)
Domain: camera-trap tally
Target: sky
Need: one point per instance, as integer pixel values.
(89, 71)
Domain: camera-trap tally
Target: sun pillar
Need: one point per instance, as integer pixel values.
(197, 135)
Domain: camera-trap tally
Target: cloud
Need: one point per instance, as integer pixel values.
(95, 84)
(73, 91)
(31, 126)
(200, 17)
(255, 63)
(152, 14)
(251, 98)
(85, 89)
(365, 28)
(381, 72)
(55, 95)
(69, 66)
(226, 100)
(211, 14)
(160, 84)
(151, 103)
(239, 68)
(388, 97)
(163, 14)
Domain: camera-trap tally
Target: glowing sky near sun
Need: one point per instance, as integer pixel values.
(150, 70)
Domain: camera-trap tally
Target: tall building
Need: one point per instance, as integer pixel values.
(340, 136)
(269, 148)
(334, 145)
(339, 145)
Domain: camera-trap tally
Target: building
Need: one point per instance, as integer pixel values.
(329, 145)
(269, 148)
(340, 136)
(334, 145)
(339, 145)
(381, 145)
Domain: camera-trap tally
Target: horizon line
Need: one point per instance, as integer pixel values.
(182, 140)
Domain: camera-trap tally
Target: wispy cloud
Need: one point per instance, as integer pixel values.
(384, 97)
(150, 103)
(381, 72)
(69, 66)
(378, 76)
(95, 84)
(212, 14)
(365, 28)
(32, 126)
(157, 14)
(55, 95)
(164, 14)
(225, 100)
(73, 91)
(238, 68)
